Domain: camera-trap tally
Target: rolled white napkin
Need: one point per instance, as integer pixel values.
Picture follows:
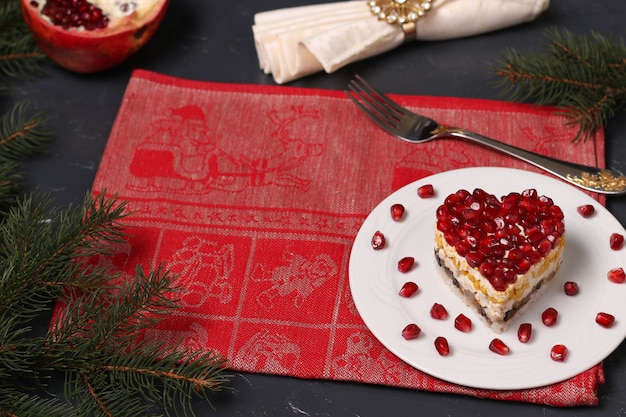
(297, 41)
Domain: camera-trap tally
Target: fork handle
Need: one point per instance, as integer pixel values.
(594, 179)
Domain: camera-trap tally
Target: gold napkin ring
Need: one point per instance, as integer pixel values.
(404, 13)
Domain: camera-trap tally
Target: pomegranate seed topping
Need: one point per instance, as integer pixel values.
(378, 240)
(474, 259)
(524, 332)
(397, 212)
(570, 288)
(617, 275)
(605, 319)
(549, 316)
(586, 210)
(558, 353)
(408, 289)
(405, 264)
(441, 344)
(74, 14)
(616, 241)
(438, 312)
(411, 331)
(426, 191)
(499, 347)
(502, 238)
(463, 323)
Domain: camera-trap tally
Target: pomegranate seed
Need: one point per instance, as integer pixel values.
(549, 316)
(499, 347)
(558, 353)
(408, 289)
(411, 331)
(586, 210)
(438, 312)
(405, 264)
(616, 241)
(426, 191)
(474, 259)
(378, 240)
(397, 212)
(441, 344)
(605, 319)
(524, 332)
(463, 323)
(617, 275)
(74, 14)
(570, 288)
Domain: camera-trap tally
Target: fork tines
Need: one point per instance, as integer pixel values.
(384, 111)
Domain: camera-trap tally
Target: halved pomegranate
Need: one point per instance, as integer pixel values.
(90, 36)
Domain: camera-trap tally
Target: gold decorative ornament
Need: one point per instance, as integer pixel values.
(404, 13)
(446, 130)
(604, 180)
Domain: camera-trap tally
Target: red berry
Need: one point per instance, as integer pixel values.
(605, 319)
(549, 316)
(463, 323)
(616, 275)
(397, 212)
(586, 210)
(405, 264)
(616, 241)
(408, 289)
(441, 344)
(411, 331)
(570, 288)
(558, 353)
(524, 332)
(426, 191)
(499, 347)
(438, 312)
(378, 240)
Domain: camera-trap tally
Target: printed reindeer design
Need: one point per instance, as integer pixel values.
(180, 153)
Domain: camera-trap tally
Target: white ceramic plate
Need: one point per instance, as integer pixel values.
(375, 282)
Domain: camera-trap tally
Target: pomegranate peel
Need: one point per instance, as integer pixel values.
(83, 50)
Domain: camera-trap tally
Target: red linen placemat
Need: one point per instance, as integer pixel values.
(253, 196)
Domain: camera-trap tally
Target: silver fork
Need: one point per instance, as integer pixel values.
(414, 128)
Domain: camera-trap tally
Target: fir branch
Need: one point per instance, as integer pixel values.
(17, 404)
(21, 135)
(96, 339)
(583, 76)
(46, 258)
(19, 57)
(132, 384)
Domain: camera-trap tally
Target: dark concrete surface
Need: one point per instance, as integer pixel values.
(212, 41)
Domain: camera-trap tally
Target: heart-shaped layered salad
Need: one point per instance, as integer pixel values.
(498, 253)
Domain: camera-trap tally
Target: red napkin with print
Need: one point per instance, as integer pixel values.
(253, 195)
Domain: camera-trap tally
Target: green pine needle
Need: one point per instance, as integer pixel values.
(45, 261)
(22, 135)
(583, 76)
(19, 57)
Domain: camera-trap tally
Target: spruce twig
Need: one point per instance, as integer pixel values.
(583, 76)
(19, 57)
(46, 253)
